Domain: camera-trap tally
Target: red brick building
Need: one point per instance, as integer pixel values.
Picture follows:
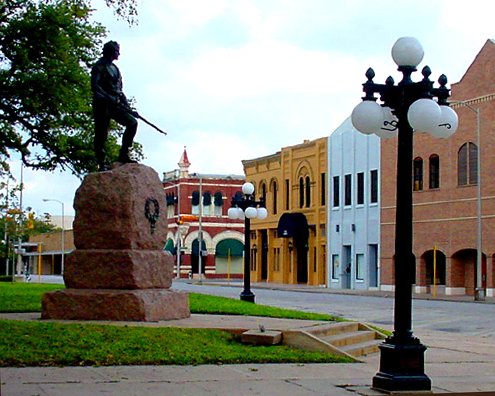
(197, 207)
(445, 197)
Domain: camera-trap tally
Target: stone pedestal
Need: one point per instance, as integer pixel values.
(119, 270)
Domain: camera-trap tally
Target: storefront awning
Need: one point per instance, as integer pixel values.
(169, 246)
(231, 247)
(293, 225)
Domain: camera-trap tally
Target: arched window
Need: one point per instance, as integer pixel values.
(467, 165)
(263, 191)
(434, 171)
(308, 192)
(274, 196)
(206, 203)
(195, 202)
(218, 202)
(418, 174)
(301, 192)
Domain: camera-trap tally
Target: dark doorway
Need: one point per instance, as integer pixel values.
(302, 259)
(373, 265)
(435, 267)
(195, 257)
(264, 255)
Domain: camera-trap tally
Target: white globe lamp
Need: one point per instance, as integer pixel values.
(248, 188)
(407, 51)
(424, 115)
(367, 117)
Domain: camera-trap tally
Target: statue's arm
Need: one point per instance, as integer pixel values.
(96, 85)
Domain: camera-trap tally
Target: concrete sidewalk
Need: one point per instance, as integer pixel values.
(453, 363)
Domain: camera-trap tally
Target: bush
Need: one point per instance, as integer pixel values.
(5, 278)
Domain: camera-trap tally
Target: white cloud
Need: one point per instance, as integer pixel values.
(238, 79)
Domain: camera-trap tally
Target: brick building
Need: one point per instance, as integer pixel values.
(289, 246)
(445, 197)
(197, 207)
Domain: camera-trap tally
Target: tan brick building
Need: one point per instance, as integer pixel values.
(289, 246)
(445, 192)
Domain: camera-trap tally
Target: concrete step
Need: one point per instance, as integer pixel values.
(332, 328)
(353, 337)
(362, 348)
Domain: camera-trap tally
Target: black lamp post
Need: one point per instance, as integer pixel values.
(245, 207)
(408, 107)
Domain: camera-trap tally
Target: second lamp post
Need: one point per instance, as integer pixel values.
(245, 207)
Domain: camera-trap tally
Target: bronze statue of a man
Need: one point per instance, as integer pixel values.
(109, 102)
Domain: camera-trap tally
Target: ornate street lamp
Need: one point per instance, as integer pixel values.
(245, 208)
(408, 108)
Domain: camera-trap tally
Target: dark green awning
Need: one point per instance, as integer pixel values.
(169, 246)
(236, 248)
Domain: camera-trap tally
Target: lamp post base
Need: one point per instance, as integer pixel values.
(247, 296)
(479, 294)
(401, 368)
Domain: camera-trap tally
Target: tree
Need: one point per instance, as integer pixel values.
(46, 51)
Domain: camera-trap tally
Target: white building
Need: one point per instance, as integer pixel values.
(353, 231)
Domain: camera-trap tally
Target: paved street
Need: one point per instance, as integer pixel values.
(463, 318)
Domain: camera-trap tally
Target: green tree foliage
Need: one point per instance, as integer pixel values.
(46, 51)
(125, 9)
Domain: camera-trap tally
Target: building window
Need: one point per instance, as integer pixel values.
(274, 196)
(218, 202)
(323, 189)
(301, 192)
(360, 188)
(308, 192)
(418, 174)
(263, 191)
(359, 266)
(348, 190)
(254, 251)
(315, 261)
(374, 186)
(434, 171)
(195, 203)
(335, 266)
(336, 191)
(206, 203)
(467, 165)
(276, 259)
(287, 194)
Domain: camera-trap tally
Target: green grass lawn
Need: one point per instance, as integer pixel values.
(36, 343)
(26, 297)
(54, 344)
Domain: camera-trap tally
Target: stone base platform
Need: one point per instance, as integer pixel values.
(125, 269)
(148, 305)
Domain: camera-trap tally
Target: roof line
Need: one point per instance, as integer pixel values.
(467, 102)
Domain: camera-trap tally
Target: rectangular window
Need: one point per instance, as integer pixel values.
(359, 266)
(218, 211)
(287, 195)
(360, 188)
(336, 192)
(323, 189)
(335, 266)
(374, 186)
(348, 190)
(276, 259)
(253, 259)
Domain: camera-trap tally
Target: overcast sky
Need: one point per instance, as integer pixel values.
(239, 79)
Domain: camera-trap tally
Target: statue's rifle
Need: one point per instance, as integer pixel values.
(137, 115)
